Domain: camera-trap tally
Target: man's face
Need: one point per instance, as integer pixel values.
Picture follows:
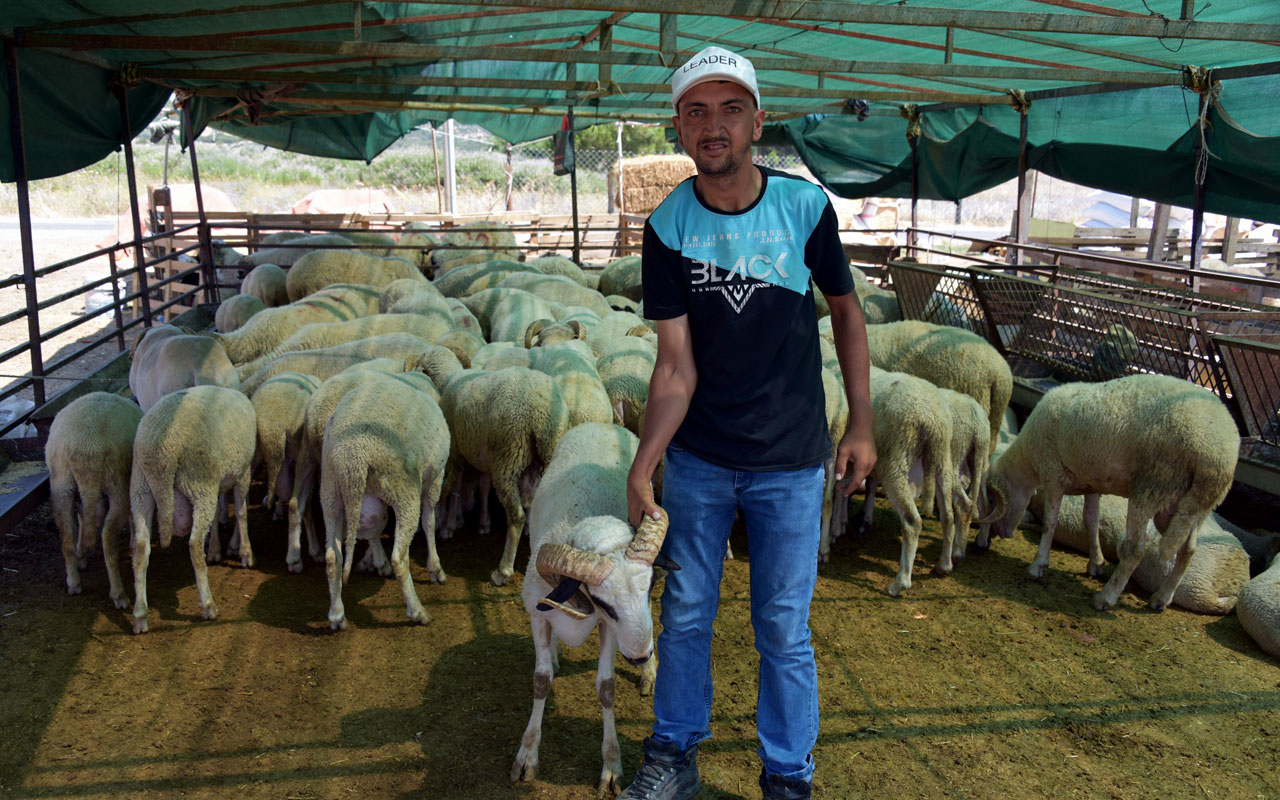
(716, 122)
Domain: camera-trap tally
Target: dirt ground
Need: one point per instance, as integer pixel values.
(984, 684)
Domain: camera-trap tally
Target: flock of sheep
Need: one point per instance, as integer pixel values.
(421, 384)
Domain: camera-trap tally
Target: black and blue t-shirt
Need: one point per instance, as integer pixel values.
(744, 280)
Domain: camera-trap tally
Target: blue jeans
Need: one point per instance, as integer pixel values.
(783, 511)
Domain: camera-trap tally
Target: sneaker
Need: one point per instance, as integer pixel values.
(776, 787)
(668, 773)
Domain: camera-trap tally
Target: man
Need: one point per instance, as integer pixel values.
(736, 402)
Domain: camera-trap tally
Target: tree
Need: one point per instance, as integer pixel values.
(637, 139)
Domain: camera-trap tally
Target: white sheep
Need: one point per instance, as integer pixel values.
(1167, 445)
(269, 327)
(319, 335)
(482, 306)
(325, 362)
(556, 350)
(588, 569)
(168, 358)
(970, 444)
(464, 344)
(411, 296)
(235, 311)
(504, 424)
(89, 452)
(1259, 609)
(625, 366)
(835, 506)
(286, 247)
(613, 325)
(492, 239)
(191, 447)
(557, 289)
(267, 283)
(1216, 573)
(324, 268)
(912, 430)
(949, 357)
(280, 406)
(559, 265)
(514, 314)
(472, 278)
(386, 446)
(622, 277)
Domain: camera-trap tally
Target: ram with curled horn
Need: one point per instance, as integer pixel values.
(589, 569)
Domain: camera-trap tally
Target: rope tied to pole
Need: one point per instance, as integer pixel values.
(1200, 80)
(911, 113)
(1018, 99)
(125, 78)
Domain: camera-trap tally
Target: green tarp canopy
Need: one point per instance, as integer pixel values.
(1111, 89)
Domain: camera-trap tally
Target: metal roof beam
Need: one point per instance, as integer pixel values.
(537, 55)
(1083, 48)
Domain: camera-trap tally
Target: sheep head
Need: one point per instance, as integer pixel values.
(567, 568)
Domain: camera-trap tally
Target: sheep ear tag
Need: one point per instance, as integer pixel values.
(567, 598)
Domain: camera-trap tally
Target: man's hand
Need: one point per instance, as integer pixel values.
(855, 458)
(640, 499)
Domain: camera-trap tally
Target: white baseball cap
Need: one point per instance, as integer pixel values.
(714, 64)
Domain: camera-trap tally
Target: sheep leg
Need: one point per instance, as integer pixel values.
(1097, 564)
(509, 495)
(525, 767)
(215, 541)
(116, 522)
(143, 504)
(293, 558)
(1181, 534)
(903, 502)
(868, 507)
(408, 512)
(949, 531)
(430, 495)
(334, 513)
(375, 558)
(62, 490)
(303, 485)
(240, 496)
(204, 512)
(1135, 524)
(1052, 504)
(482, 486)
(611, 757)
(828, 498)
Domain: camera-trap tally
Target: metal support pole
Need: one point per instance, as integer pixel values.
(435, 159)
(510, 178)
(1021, 215)
(450, 168)
(573, 188)
(915, 196)
(115, 301)
(206, 245)
(24, 218)
(1197, 208)
(139, 257)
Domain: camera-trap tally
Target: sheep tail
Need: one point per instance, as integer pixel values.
(937, 467)
(352, 485)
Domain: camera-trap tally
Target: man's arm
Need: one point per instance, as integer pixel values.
(670, 390)
(856, 453)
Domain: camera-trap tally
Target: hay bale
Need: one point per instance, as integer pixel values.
(647, 180)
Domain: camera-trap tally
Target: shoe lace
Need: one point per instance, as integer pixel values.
(650, 776)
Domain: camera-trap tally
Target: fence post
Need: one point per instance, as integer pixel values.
(993, 331)
(573, 187)
(24, 218)
(206, 245)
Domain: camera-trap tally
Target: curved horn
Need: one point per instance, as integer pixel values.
(639, 330)
(579, 330)
(998, 494)
(558, 561)
(647, 542)
(533, 330)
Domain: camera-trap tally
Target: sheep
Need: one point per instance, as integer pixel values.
(1167, 445)
(622, 277)
(488, 350)
(463, 319)
(280, 408)
(625, 366)
(191, 447)
(835, 505)
(557, 289)
(588, 568)
(421, 239)
(559, 265)
(467, 280)
(912, 430)
(409, 295)
(235, 311)
(464, 344)
(325, 362)
(583, 316)
(319, 335)
(1216, 573)
(168, 358)
(497, 240)
(969, 460)
(267, 283)
(1259, 609)
(878, 305)
(482, 306)
(319, 410)
(504, 424)
(89, 452)
(294, 247)
(269, 327)
(377, 243)
(948, 357)
(560, 353)
(513, 315)
(619, 303)
(613, 325)
(386, 445)
(323, 268)
(444, 261)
